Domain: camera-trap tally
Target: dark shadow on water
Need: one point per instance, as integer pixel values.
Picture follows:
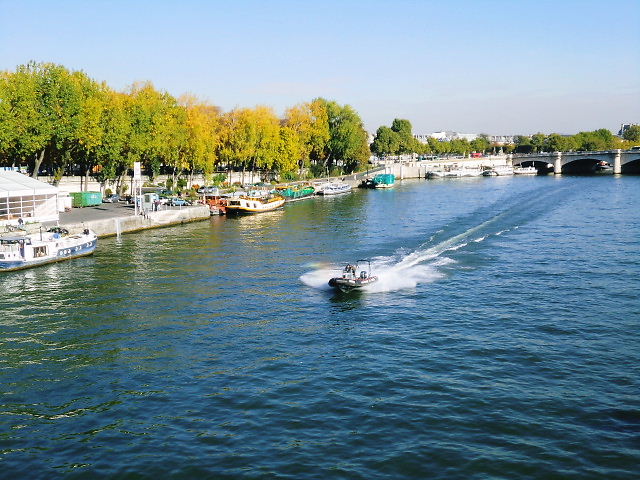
(344, 302)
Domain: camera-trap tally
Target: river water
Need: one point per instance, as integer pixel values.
(502, 341)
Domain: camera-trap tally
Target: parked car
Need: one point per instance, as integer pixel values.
(113, 198)
(178, 202)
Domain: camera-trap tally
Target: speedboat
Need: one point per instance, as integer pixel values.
(30, 250)
(352, 278)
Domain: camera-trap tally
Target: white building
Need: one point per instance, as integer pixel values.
(446, 136)
(26, 198)
(502, 139)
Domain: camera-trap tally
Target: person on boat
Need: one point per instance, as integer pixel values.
(349, 271)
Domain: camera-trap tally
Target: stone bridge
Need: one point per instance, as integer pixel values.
(622, 161)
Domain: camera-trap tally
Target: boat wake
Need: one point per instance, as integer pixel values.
(433, 259)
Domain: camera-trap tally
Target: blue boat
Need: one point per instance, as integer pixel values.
(19, 251)
(384, 180)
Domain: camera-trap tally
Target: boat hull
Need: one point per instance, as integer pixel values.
(347, 285)
(13, 266)
(253, 205)
(68, 252)
(525, 171)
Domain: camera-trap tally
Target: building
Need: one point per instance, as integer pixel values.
(624, 127)
(26, 198)
(502, 139)
(446, 136)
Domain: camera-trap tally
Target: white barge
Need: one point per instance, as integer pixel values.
(18, 251)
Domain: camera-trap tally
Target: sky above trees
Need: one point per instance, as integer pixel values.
(497, 67)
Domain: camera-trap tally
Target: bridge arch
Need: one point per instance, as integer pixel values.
(581, 165)
(631, 166)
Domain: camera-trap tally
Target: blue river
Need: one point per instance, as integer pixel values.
(502, 341)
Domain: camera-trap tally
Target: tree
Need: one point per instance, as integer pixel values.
(480, 144)
(537, 141)
(30, 123)
(348, 139)
(266, 139)
(559, 143)
(113, 153)
(523, 144)
(386, 142)
(235, 139)
(250, 138)
(403, 129)
(89, 133)
(202, 134)
(632, 134)
(596, 140)
(8, 129)
(289, 151)
(311, 124)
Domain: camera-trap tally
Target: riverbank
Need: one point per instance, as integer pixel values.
(107, 220)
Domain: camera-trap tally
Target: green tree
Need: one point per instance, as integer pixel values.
(7, 124)
(406, 142)
(348, 138)
(559, 143)
(632, 134)
(537, 141)
(386, 142)
(480, 144)
(596, 140)
(523, 144)
(113, 153)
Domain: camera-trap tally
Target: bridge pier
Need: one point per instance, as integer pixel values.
(557, 164)
(617, 162)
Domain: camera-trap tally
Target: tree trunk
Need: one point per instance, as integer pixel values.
(57, 176)
(86, 178)
(38, 162)
(119, 183)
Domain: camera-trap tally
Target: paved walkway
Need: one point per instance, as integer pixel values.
(103, 211)
(99, 212)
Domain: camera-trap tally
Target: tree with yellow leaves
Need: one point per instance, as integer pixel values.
(310, 122)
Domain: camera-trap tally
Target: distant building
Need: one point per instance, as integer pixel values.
(446, 136)
(370, 137)
(502, 139)
(624, 127)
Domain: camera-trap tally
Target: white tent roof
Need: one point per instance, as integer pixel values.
(14, 184)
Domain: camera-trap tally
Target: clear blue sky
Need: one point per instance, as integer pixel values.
(498, 67)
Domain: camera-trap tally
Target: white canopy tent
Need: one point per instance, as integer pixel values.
(27, 198)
